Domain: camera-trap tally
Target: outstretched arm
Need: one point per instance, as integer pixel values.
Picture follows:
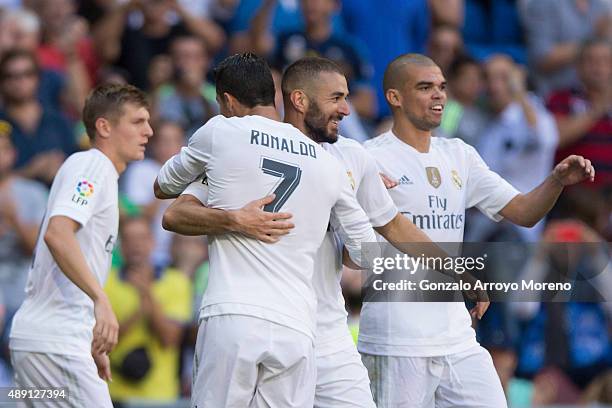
(528, 209)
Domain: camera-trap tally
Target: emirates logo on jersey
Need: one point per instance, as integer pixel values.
(433, 176)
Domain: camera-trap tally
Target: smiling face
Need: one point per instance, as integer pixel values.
(327, 105)
(131, 132)
(422, 96)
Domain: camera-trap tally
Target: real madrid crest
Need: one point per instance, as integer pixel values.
(350, 176)
(456, 179)
(433, 176)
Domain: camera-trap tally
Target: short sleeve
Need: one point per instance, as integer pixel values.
(486, 190)
(80, 189)
(180, 170)
(372, 194)
(198, 189)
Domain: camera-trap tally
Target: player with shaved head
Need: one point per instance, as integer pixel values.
(425, 355)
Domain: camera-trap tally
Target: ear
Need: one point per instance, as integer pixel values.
(393, 97)
(103, 128)
(231, 103)
(299, 100)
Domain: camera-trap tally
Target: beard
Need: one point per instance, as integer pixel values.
(316, 124)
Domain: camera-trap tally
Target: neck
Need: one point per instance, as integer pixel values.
(405, 131)
(27, 114)
(119, 163)
(265, 111)
(21, 107)
(297, 120)
(319, 31)
(188, 90)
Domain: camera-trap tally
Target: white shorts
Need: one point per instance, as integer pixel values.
(78, 374)
(467, 379)
(243, 361)
(342, 381)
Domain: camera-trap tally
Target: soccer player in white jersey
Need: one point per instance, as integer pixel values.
(255, 342)
(64, 329)
(315, 92)
(425, 355)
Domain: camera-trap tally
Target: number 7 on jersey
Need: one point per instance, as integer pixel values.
(290, 178)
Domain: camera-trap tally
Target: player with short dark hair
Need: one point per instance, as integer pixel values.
(426, 354)
(255, 344)
(64, 329)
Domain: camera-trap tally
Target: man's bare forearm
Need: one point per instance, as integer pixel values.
(408, 238)
(187, 216)
(527, 209)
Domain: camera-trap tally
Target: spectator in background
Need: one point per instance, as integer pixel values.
(318, 38)
(493, 27)
(568, 333)
(189, 100)
(20, 29)
(447, 12)
(584, 113)
(395, 28)
(22, 207)
(555, 29)
(518, 143)
(139, 177)
(133, 47)
(463, 117)
(152, 306)
(43, 137)
(444, 46)
(66, 46)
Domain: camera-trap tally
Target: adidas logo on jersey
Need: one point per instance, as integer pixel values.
(405, 180)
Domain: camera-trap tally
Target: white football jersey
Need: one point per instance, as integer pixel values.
(247, 158)
(435, 189)
(57, 316)
(372, 195)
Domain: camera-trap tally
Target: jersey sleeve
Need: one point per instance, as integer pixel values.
(180, 170)
(80, 189)
(372, 194)
(198, 189)
(351, 223)
(486, 190)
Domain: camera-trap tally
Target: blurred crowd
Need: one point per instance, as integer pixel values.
(529, 82)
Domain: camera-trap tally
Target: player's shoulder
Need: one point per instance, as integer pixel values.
(91, 160)
(453, 145)
(380, 142)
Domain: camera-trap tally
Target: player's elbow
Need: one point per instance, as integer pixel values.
(169, 220)
(158, 191)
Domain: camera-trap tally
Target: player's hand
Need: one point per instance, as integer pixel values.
(479, 310)
(573, 169)
(388, 181)
(103, 364)
(106, 330)
(252, 221)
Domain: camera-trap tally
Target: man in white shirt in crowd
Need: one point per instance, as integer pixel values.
(426, 354)
(255, 342)
(64, 329)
